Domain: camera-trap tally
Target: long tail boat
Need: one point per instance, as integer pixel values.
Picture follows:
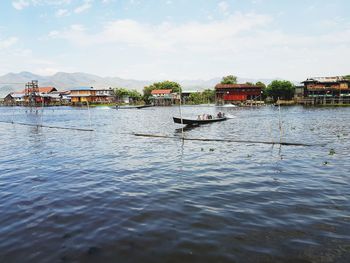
(197, 122)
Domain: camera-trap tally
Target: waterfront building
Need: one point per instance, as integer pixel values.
(55, 97)
(326, 90)
(14, 97)
(327, 87)
(22, 97)
(237, 93)
(164, 97)
(91, 95)
(40, 94)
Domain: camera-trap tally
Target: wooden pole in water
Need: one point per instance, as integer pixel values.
(279, 118)
(182, 128)
(224, 140)
(87, 101)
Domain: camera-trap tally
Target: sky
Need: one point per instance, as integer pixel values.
(176, 39)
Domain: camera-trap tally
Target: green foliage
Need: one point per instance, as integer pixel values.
(249, 83)
(207, 96)
(230, 79)
(135, 95)
(196, 98)
(174, 86)
(282, 89)
(260, 84)
(132, 94)
(347, 77)
(121, 92)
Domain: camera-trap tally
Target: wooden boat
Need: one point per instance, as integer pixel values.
(144, 106)
(133, 107)
(197, 122)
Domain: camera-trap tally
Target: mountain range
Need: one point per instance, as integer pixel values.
(63, 81)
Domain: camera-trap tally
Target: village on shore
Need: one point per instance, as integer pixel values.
(313, 91)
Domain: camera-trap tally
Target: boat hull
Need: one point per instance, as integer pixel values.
(197, 122)
(132, 107)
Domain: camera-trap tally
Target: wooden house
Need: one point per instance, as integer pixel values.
(91, 95)
(163, 97)
(236, 93)
(327, 87)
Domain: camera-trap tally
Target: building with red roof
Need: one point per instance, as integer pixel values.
(160, 92)
(164, 97)
(236, 93)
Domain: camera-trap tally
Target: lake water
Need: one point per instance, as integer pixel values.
(109, 196)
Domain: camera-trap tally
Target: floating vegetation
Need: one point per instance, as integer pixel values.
(211, 149)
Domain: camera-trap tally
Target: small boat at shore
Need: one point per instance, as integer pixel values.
(133, 107)
(197, 122)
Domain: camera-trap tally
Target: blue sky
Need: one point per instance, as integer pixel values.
(149, 39)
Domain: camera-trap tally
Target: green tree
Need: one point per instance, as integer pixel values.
(135, 95)
(208, 95)
(204, 97)
(230, 79)
(249, 83)
(347, 77)
(174, 86)
(196, 98)
(260, 84)
(120, 93)
(282, 89)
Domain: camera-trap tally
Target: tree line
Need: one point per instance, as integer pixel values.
(277, 89)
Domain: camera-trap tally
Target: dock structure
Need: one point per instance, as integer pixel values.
(330, 91)
(324, 101)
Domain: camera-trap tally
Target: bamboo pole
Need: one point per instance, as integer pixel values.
(224, 140)
(47, 126)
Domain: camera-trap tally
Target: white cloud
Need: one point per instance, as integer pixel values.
(169, 37)
(62, 12)
(84, 7)
(20, 4)
(53, 34)
(6, 43)
(224, 7)
(246, 44)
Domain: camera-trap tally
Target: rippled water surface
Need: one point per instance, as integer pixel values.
(109, 196)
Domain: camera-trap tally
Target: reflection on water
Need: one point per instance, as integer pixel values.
(108, 196)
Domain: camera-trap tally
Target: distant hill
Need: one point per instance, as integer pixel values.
(63, 81)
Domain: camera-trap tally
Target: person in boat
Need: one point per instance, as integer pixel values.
(199, 117)
(219, 115)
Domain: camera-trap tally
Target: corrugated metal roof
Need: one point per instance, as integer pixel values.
(17, 95)
(325, 79)
(81, 88)
(161, 91)
(235, 86)
(43, 89)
